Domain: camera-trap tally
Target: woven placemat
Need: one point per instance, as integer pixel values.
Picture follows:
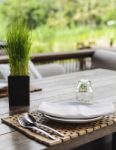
(69, 130)
(33, 88)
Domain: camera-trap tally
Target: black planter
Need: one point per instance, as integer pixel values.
(18, 90)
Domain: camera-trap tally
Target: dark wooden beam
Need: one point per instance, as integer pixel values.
(42, 58)
(62, 56)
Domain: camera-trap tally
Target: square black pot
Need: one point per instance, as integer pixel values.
(18, 90)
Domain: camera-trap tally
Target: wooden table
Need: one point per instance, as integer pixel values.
(59, 88)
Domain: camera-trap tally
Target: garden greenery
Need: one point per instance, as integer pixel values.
(18, 48)
(60, 25)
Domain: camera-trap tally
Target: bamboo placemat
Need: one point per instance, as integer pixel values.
(4, 91)
(69, 130)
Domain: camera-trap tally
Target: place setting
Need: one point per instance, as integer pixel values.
(4, 88)
(82, 109)
(60, 121)
(71, 112)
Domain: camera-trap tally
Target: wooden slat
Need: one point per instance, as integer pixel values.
(16, 141)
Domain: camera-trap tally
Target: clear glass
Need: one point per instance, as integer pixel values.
(84, 92)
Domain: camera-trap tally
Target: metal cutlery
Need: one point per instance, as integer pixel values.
(22, 121)
(32, 121)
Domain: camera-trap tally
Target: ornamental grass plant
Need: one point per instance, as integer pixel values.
(18, 48)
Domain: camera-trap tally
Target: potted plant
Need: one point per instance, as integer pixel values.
(18, 50)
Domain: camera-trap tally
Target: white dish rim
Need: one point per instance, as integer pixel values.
(72, 120)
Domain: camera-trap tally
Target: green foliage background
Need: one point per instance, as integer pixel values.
(57, 25)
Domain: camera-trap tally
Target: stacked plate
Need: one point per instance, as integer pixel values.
(72, 120)
(73, 112)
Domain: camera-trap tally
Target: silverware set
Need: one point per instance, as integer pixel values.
(29, 122)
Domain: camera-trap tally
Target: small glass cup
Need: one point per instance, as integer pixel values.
(84, 92)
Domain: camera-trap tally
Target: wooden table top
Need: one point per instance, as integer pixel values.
(58, 88)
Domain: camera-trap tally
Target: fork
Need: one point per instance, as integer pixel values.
(26, 124)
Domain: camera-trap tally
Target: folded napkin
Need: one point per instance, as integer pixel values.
(3, 86)
(75, 110)
(4, 89)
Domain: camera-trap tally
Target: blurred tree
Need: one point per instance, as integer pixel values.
(34, 12)
(60, 13)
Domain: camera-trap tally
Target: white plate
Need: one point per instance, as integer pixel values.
(73, 120)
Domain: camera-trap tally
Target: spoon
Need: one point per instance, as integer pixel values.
(22, 121)
(32, 120)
